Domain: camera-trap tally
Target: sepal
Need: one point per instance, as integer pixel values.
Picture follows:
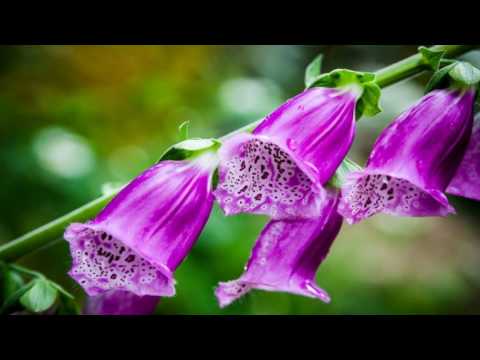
(361, 83)
(457, 73)
(430, 57)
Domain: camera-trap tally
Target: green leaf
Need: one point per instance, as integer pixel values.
(40, 297)
(431, 57)
(369, 102)
(12, 301)
(10, 282)
(183, 129)
(61, 289)
(313, 71)
(439, 78)
(465, 73)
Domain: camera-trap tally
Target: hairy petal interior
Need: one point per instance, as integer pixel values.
(102, 263)
(370, 194)
(264, 179)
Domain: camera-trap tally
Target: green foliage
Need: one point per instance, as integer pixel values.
(465, 73)
(40, 296)
(368, 102)
(10, 281)
(439, 78)
(36, 296)
(459, 73)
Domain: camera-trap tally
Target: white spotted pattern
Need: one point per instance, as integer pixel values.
(371, 194)
(263, 179)
(102, 262)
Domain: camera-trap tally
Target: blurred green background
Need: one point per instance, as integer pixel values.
(73, 118)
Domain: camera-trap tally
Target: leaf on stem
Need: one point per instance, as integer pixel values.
(40, 297)
(10, 282)
(369, 103)
(465, 73)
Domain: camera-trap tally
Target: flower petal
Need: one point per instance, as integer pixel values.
(367, 193)
(316, 128)
(102, 263)
(257, 176)
(466, 181)
(426, 143)
(149, 227)
(118, 302)
(413, 160)
(281, 168)
(286, 257)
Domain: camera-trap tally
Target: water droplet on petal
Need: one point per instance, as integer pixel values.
(292, 145)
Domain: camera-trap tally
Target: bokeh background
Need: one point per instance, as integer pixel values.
(74, 119)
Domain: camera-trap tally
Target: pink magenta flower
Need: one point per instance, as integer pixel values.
(120, 302)
(138, 240)
(286, 256)
(279, 170)
(466, 181)
(413, 160)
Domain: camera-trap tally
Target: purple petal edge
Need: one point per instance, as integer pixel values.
(286, 257)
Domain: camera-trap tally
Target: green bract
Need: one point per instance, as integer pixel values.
(40, 296)
(363, 83)
(431, 57)
(465, 73)
(458, 73)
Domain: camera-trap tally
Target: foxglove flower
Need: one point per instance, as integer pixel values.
(413, 160)
(286, 257)
(144, 233)
(280, 169)
(120, 302)
(466, 181)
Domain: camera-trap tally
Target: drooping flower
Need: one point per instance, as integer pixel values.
(279, 170)
(120, 302)
(466, 181)
(413, 160)
(286, 256)
(138, 240)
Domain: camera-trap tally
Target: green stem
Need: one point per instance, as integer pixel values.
(415, 64)
(43, 235)
(47, 233)
(26, 271)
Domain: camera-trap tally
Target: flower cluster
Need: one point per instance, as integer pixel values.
(125, 257)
